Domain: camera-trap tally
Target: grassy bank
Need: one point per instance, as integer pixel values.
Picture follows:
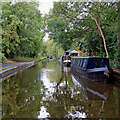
(5, 68)
(21, 59)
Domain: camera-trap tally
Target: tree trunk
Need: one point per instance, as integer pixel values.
(99, 22)
(118, 39)
(118, 102)
(100, 29)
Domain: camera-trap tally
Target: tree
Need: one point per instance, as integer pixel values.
(89, 21)
(52, 48)
(22, 29)
(118, 31)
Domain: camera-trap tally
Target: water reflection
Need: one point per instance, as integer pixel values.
(93, 90)
(22, 95)
(49, 90)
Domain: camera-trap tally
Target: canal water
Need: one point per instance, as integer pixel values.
(49, 90)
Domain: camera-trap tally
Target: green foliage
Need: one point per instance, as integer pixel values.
(21, 25)
(2, 57)
(22, 95)
(53, 48)
(6, 68)
(71, 26)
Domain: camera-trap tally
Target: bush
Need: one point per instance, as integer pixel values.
(2, 58)
(116, 61)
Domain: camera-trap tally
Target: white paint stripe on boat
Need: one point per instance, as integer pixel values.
(96, 93)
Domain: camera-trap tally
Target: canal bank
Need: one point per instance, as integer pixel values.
(15, 68)
(116, 73)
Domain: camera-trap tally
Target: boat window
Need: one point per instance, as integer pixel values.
(82, 63)
(85, 61)
(73, 61)
(79, 62)
(76, 61)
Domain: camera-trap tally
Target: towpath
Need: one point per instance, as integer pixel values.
(11, 64)
(14, 63)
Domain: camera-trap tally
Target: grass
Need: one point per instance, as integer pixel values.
(26, 58)
(21, 59)
(5, 68)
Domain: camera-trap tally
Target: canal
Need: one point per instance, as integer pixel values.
(48, 90)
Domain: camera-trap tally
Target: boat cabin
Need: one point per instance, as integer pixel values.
(91, 62)
(91, 68)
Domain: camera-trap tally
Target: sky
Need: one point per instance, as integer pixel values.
(45, 6)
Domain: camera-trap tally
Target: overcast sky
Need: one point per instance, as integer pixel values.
(46, 5)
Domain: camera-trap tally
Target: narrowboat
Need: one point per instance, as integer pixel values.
(92, 68)
(66, 61)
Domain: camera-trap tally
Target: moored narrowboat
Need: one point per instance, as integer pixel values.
(92, 68)
(66, 60)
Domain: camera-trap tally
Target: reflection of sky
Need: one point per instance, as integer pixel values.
(46, 82)
(49, 90)
(43, 113)
(77, 115)
(63, 84)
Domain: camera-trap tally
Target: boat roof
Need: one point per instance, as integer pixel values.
(69, 50)
(91, 57)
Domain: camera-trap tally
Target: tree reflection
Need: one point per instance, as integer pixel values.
(22, 95)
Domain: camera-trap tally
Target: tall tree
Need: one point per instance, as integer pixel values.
(22, 29)
(118, 31)
(78, 25)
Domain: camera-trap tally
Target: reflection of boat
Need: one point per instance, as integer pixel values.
(65, 70)
(92, 90)
(92, 68)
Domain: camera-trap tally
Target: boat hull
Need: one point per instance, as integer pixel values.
(87, 74)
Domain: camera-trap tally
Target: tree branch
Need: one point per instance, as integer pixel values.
(100, 32)
(81, 32)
